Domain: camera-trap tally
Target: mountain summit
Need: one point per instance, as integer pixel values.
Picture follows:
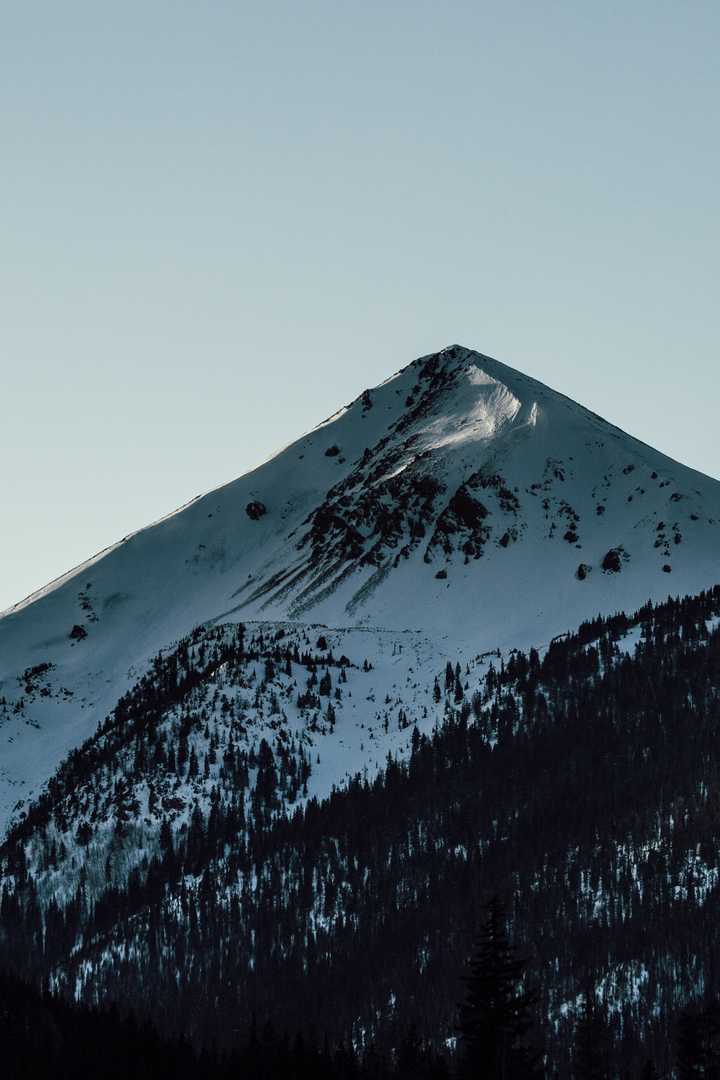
(459, 500)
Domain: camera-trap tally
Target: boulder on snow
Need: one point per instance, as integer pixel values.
(255, 510)
(77, 633)
(612, 563)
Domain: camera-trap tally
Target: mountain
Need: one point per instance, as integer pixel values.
(459, 507)
(268, 756)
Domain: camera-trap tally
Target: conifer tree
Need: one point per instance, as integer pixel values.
(497, 1012)
(591, 1041)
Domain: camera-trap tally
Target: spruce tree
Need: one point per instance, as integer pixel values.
(591, 1041)
(497, 1012)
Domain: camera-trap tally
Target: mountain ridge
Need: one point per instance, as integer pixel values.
(459, 499)
(61, 578)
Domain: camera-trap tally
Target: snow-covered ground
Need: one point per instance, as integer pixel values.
(460, 507)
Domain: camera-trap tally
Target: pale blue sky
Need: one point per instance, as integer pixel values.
(221, 221)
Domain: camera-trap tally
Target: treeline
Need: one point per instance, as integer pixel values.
(43, 1037)
(499, 1032)
(137, 720)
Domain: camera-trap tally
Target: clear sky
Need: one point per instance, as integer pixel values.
(220, 221)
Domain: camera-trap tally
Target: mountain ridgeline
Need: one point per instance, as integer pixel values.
(264, 763)
(459, 500)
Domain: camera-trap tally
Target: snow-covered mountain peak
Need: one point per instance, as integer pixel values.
(459, 499)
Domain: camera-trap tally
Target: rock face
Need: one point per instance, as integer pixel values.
(462, 501)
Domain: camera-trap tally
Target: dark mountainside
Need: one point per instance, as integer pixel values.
(582, 787)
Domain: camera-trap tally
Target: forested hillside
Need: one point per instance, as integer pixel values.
(580, 784)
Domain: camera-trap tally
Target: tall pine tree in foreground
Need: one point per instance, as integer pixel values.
(591, 1040)
(496, 1015)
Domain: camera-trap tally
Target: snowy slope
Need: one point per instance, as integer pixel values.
(459, 500)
